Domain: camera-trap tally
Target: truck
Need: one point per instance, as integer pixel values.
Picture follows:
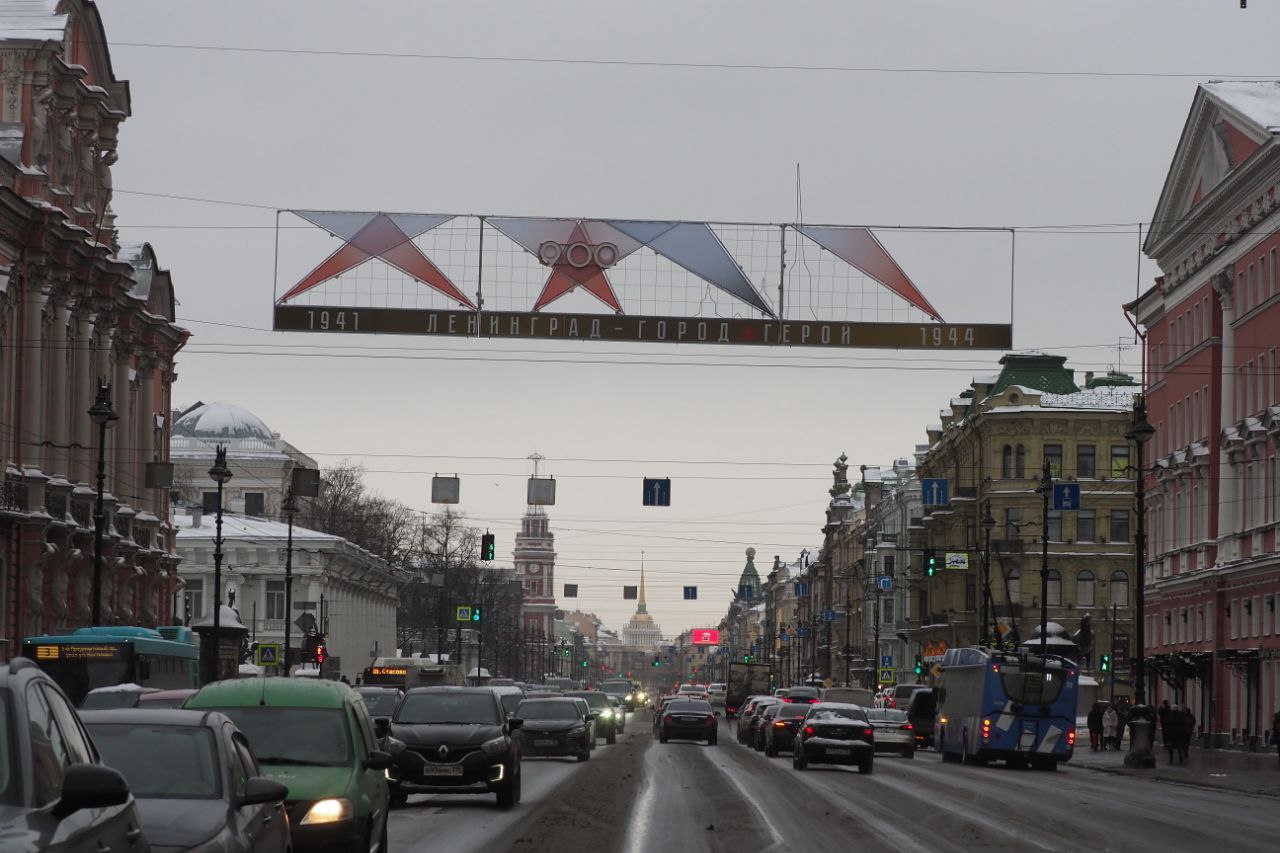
(745, 679)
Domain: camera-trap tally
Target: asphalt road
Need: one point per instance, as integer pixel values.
(692, 797)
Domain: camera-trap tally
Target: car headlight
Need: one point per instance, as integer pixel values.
(495, 746)
(330, 810)
(578, 730)
(607, 713)
(629, 698)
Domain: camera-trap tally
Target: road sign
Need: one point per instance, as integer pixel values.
(884, 582)
(306, 623)
(1066, 496)
(934, 491)
(957, 560)
(445, 490)
(571, 590)
(886, 676)
(828, 615)
(886, 660)
(936, 669)
(463, 612)
(268, 654)
(304, 605)
(804, 632)
(690, 593)
(542, 491)
(657, 492)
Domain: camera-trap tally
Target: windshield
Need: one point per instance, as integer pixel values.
(511, 701)
(793, 711)
(78, 677)
(838, 714)
(161, 762)
(596, 701)
(1032, 686)
(294, 735)
(690, 706)
(448, 707)
(380, 704)
(886, 715)
(9, 794)
(549, 711)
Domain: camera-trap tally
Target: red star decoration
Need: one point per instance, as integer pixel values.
(565, 276)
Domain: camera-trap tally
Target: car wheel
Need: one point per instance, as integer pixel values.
(585, 755)
(612, 738)
(662, 737)
(865, 766)
(713, 740)
(771, 749)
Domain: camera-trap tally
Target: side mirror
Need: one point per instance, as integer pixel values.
(591, 716)
(90, 786)
(381, 727)
(394, 746)
(378, 760)
(514, 723)
(260, 789)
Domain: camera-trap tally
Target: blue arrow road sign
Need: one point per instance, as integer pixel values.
(657, 492)
(885, 582)
(690, 593)
(886, 660)
(1066, 496)
(934, 491)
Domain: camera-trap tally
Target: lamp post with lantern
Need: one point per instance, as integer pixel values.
(221, 475)
(1142, 720)
(104, 415)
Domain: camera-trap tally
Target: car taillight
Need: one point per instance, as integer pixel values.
(867, 732)
(808, 731)
(667, 718)
(906, 726)
(779, 725)
(1071, 736)
(986, 729)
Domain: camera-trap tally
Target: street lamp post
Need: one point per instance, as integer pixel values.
(1142, 723)
(1045, 491)
(290, 509)
(102, 414)
(220, 474)
(987, 524)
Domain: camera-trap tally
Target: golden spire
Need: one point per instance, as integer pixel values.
(640, 606)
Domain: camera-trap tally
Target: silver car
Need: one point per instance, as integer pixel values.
(893, 731)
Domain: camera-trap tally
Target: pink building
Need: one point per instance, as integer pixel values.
(1213, 332)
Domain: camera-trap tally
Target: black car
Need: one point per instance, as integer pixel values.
(690, 719)
(55, 794)
(454, 740)
(607, 723)
(781, 731)
(922, 709)
(834, 733)
(803, 695)
(555, 726)
(749, 719)
(195, 778)
(381, 701)
(762, 723)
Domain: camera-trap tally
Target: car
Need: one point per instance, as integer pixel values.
(618, 689)
(160, 699)
(55, 793)
(835, 733)
(762, 723)
(555, 727)
(690, 719)
(561, 684)
(510, 697)
(501, 682)
(850, 696)
(619, 713)
(893, 731)
(805, 695)
(717, 693)
(195, 779)
(659, 707)
(899, 696)
(588, 715)
(115, 696)
(316, 736)
(454, 740)
(605, 723)
(922, 710)
(381, 701)
(753, 706)
(780, 733)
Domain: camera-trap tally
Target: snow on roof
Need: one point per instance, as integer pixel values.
(221, 420)
(1102, 397)
(1258, 100)
(31, 20)
(247, 527)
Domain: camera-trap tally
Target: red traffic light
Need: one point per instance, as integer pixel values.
(320, 653)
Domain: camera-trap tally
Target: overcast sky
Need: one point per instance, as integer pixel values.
(287, 131)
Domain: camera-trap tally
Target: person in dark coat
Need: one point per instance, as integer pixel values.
(1095, 726)
(1188, 732)
(1174, 722)
(1275, 731)
(1163, 716)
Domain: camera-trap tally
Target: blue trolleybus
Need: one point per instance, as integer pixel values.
(1015, 706)
(104, 657)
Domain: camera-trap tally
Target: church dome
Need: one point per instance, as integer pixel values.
(221, 420)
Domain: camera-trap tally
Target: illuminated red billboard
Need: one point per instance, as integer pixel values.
(706, 637)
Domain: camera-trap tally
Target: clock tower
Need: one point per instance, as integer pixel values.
(535, 564)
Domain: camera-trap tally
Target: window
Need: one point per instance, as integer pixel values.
(49, 755)
(1006, 462)
(1055, 525)
(887, 616)
(970, 593)
(1120, 588)
(1086, 461)
(1020, 469)
(1014, 581)
(254, 503)
(1054, 598)
(1119, 525)
(1086, 526)
(922, 606)
(1084, 589)
(275, 600)
(209, 502)
(1120, 460)
(195, 598)
(889, 565)
(1053, 455)
(533, 587)
(1012, 519)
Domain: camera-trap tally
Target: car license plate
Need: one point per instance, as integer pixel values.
(443, 770)
(838, 751)
(545, 742)
(689, 719)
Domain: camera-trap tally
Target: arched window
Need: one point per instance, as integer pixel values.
(1054, 598)
(1006, 462)
(1120, 588)
(1084, 589)
(1015, 586)
(1021, 467)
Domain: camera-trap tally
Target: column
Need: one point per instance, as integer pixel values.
(30, 433)
(1228, 548)
(145, 432)
(85, 385)
(56, 417)
(122, 480)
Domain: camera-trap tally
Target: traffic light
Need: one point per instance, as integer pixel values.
(585, 663)
(320, 652)
(487, 548)
(919, 665)
(1104, 663)
(930, 561)
(475, 614)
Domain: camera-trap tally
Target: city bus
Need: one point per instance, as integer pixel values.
(1012, 706)
(410, 672)
(165, 658)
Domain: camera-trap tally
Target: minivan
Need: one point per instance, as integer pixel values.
(922, 709)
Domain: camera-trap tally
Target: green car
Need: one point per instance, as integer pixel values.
(317, 738)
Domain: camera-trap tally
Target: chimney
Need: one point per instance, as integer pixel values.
(197, 515)
(1088, 379)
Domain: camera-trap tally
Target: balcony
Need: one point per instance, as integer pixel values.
(13, 496)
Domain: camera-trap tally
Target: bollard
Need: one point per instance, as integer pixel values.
(1141, 738)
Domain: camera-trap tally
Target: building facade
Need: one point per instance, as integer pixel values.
(77, 308)
(534, 559)
(1212, 328)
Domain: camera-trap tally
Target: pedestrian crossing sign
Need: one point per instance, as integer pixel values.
(268, 654)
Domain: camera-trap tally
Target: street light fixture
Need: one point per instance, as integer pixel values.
(290, 509)
(102, 414)
(987, 523)
(1140, 433)
(220, 474)
(1045, 490)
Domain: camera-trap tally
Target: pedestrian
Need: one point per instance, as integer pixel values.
(1275, 731)
(1174, 722)
(1188, 732)
(1110, 728)
(1095, 726)
(1163, 716)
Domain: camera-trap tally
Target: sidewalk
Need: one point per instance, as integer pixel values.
(1246, 772)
